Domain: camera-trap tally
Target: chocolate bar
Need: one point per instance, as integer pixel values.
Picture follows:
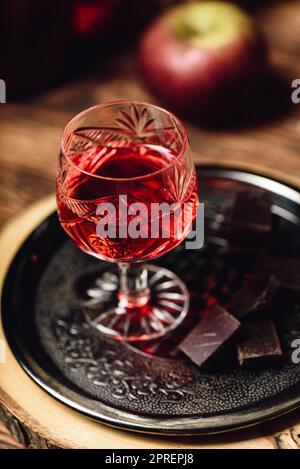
(287, 271)
(258, 343)
(209, 335)
(255, 294)
(249, 218)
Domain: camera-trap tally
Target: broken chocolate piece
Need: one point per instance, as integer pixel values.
(258, 343)
(252, 210)
(254, 295)
(287, 271)
(209, 335)
(249, 219)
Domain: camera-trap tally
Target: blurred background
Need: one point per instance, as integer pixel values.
(61, 56)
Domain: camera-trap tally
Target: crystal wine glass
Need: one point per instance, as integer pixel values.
(127, 193)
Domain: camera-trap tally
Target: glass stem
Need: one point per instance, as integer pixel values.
(134, 290)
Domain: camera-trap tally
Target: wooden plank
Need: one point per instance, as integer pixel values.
(46, 422)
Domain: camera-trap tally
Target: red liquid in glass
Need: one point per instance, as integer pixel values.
(80, 192)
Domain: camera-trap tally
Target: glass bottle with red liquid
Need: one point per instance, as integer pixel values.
(127, 193)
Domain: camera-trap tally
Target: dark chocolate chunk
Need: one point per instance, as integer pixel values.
(287, 271)
(252, 209)
(255, 294)
(249, 218)
(258, 343)
(209, 335)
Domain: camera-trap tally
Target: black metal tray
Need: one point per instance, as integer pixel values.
(148, 390)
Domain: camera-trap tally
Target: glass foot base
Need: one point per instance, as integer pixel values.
(166, 309)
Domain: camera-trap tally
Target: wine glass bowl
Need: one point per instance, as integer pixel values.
(127, 193)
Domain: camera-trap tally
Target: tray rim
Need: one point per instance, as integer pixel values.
(200, 425)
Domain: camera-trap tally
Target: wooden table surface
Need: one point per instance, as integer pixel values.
(267, 135)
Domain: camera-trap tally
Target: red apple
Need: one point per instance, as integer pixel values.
(203, 58)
